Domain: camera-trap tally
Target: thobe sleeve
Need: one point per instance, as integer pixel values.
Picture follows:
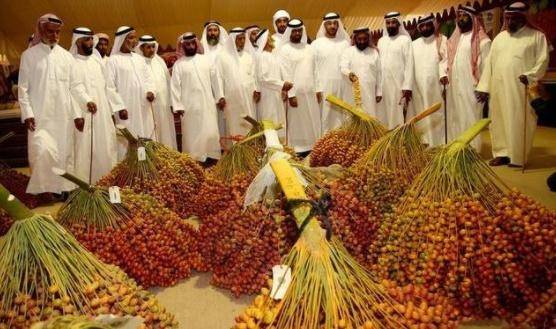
(345, 62)
(23, 88)
(287, 67)
(486, 68)
(175, 90)
(443, 53)
(541, 63)
(216, 82)
(114, 98)
(264, 77)
(378, 89)
(408, 68)
(80, 98)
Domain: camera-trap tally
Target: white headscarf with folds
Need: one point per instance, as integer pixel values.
(292, 25)
(230, 45)
(277, 15)
(397, 16)
(121, 34)
(221, 39)
(262, 39)
(83, 32)
(341, 34)
(146, 39)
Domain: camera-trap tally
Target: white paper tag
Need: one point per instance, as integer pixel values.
(281, 279)
(141, 154)
(114, 193)
(272, 140)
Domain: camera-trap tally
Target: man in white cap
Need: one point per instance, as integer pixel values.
(103, 45)
(297, 60)
(396, 57)
(362, 61)
(95, 145)
(280, 21)
(332, 40)
(519, 56)
(194, 90)
(431, 59)
(44, 92)
(129, 77)
(236, 70)
(163, 116)
(468, 48)
(213, 38)
(271, 82)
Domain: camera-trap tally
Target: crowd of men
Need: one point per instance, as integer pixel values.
(70, 100)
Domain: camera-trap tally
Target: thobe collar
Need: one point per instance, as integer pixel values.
(430, 38)
(83, 56)
(47, 47)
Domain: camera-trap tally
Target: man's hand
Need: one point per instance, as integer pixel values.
(444, 81)
(122, 114)
(30, 124)
(79, 123)
(378, 99)
(293, 101)
(319, 97)
(221, 104)
(256, 96)
(92, 107)
(523, 79)
(481, 97)
(150, 96)
(407, 94)
(287, 86)
(352, 77)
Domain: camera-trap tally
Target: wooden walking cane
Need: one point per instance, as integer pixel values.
(154, 123)
(91, 154)
(524, 128)
(445, 114)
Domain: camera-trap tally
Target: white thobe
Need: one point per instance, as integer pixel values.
(396, 58)
(431, 65)
(277, 37)
(213, 52)
(297, 62)
(194, 91)
(128, 77)
(271, 82)
(332, 82)
(238, 83)
(99, 127)
(522, 53)
(366, 66)
(164, 119)
(463, 108)
(45, 81)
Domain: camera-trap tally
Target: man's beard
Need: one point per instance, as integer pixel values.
(427, 33)
(514, 27)
(465, 25)
(392, 31)
(212, 40)
(88, 51)
(362, 46)
(190, 52)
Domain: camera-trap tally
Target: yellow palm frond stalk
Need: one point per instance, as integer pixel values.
(329, 289)
(400, 150)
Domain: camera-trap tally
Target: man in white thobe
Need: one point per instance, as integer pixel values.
(95, 146)
(396, 58)
(44, 92)
(362, 62)
(213, 39)
(129, 78)
(194, 90)
(271, 82)
(298, 62)
(280, 22)
(431, 59)
(103, 46)
(519, 55)
(236, 71)
(165, 129)
(332, 40)
(468, 48)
